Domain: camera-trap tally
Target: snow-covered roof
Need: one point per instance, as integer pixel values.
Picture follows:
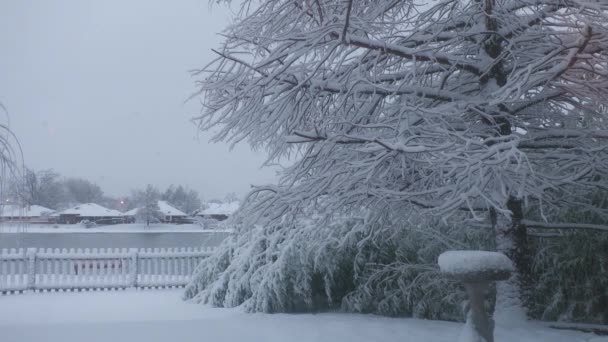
(169, 210)
(29, 211)
(165, 208)
(90, 210)
(220, 208)
(131, 212)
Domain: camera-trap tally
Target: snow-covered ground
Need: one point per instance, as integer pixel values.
(156, 315)
(78, 228)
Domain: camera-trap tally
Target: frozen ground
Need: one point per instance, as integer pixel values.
(155, 315)
(77, 228)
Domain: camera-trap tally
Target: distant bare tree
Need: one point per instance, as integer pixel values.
(39, 187)
(11, 157)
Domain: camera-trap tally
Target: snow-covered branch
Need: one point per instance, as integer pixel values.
(575, 226)
(445, 106)
(422, 56)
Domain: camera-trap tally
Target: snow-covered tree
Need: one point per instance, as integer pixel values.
(486, 108)
(148, 201)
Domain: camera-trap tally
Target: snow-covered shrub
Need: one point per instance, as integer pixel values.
(403, 278)
(570, 266)
(313, 264)
(571, 278)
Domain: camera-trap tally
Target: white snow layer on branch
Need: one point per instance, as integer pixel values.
(315, 264)
(405, 102)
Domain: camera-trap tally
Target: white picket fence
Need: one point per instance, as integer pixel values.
(96, 268)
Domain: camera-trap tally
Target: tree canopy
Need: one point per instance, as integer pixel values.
(489, 109)
(453, 105)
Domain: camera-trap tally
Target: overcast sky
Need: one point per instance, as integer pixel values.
(96, 89)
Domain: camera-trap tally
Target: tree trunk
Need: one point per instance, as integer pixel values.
(511, 235)
(512, 240)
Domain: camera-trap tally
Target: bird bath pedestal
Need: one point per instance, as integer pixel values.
(476, 270)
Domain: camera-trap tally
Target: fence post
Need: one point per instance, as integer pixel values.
(133, 268)
(31, 268)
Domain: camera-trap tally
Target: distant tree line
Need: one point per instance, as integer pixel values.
(49, 189)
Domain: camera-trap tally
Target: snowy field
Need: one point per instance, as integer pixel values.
(116, 228)
(156, 315)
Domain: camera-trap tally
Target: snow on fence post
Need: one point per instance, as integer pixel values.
(31, 268)
(476, 270)
(133, 268)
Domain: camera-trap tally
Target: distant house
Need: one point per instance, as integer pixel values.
(169, 213)
(30, 214)
(213, 213)
(91, 212)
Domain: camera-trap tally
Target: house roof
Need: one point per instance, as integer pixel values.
(29, 211)
(90, 210)
(169, 210)
(220, 208)
(131, 212)
(164, 207)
